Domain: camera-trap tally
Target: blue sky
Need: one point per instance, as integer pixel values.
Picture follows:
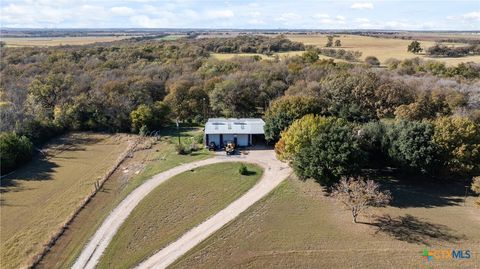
(401, 15)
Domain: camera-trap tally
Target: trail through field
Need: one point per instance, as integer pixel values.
(275, 172)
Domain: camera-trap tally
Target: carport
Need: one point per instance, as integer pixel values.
(240, 131)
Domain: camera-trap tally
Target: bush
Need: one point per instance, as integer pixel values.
(243, 170)
(182, 150)
(372, 61)
(198, 138)
(14, 150)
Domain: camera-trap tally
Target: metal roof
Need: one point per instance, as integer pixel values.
(234, 126)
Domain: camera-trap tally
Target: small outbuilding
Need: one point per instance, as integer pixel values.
(243, 132)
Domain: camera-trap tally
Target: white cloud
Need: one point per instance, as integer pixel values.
(122, 11)
(340, 18)
(321, 16)
(255, 22)
(362, 20)
(288, 17)
(219, 14)
(471, 16)
(364, 5)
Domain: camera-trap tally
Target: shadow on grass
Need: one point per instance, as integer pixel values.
(249, 173)
(37, 170)
(413, 230)
(417, 191)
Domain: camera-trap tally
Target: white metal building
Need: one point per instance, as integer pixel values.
(241, 131)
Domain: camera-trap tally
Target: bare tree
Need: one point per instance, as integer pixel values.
(357, 195)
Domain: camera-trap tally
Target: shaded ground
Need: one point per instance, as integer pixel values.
(298, 226)
(40, 196)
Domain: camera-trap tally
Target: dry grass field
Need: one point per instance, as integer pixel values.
(38, 198)
(382, 48)
(298, 226)
(143, 164)
(173, 208)
(281, 55)
(57, 41)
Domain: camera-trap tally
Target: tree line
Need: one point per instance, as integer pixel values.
(129, 85)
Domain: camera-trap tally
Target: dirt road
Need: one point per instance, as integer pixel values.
(275, 172)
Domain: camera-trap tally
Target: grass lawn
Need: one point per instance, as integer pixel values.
(133, 172)
(39, 197)
(382, 48)
(298, 226)
(175, 207)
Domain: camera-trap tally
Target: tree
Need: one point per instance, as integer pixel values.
(15, 150)
(414, 47)
(298, 136)
(372, 61)
(476, 188)
(329, 41)
(410, 145)
(333, 152)
(141, 116)
(459, 141)
(283, 111)
(149, 117)
(338, 43)
(358, 195)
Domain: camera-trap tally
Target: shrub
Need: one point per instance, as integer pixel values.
(243, 170)
(181, 149)
(372, 61)
(14, 150)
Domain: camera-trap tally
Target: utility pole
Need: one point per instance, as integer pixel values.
(178, 130)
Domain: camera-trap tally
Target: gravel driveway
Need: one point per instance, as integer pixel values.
(274, 173)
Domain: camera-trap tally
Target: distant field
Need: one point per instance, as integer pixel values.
(228, 56)
(134, 171)
(173, 208)
(382, 48)
(38, 198)
(57, 41)
(298, 226)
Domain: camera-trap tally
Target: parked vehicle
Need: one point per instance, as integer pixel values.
(212, 146)
(230, 148)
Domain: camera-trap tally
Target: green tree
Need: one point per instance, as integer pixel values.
(332, 153)
(414, 47)
(459, 141)
(338, 43)
(410, 145)
(283, 111)
(15, 150)
(141, 116)
(299, 135)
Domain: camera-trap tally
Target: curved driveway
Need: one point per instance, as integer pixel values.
(274, 173)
